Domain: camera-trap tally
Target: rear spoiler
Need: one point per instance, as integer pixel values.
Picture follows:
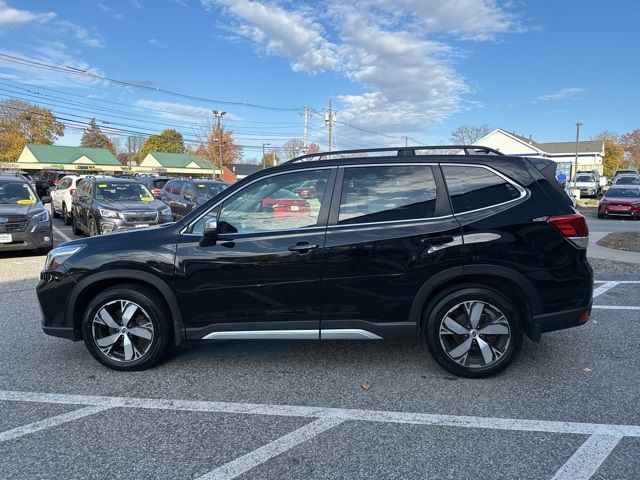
(548, 169)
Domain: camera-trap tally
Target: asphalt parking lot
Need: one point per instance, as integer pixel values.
(566, 409)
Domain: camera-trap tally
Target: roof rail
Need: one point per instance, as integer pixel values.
(400, 151)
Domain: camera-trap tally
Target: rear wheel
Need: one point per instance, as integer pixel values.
(602, 215)
(473, 332)
(54, 214)
(127, 328)
(66, 216)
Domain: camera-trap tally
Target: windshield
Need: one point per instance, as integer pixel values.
(584, 178)
(116, 191)
(623, 193)
(17, 193)
(207, 190)
(628, 181)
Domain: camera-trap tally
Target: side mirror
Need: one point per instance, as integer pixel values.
(46, 199)
(211, 229)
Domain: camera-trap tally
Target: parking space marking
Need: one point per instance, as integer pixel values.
(603, 288)
(61, 233)
(588, 458)
(261, 455)
(50, 422)
(460, 421)
(615, 307)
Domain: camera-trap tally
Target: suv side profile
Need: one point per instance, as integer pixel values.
(62, 197)
(106, 204)
(46, 180)
(467, 253)
(184, 195)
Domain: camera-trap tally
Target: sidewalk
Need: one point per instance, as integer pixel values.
(596, 251)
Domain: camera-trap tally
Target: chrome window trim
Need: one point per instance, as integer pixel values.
(523, 191)
(183, 231)
(408, 222)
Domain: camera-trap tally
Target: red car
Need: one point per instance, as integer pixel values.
(620, 201)
(284, 203)
(306, 190)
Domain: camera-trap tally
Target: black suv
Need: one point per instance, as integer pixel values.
(467, 252)
(183, 195)
(45, 180)
(104, 205)
(25, 224)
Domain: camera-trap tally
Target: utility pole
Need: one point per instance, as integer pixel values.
(575, 168)
(218, 115)
(328, 120)
(264, 163)
(406, 141)
(129, 150)
(306, 124)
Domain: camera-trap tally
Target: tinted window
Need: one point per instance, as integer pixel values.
(472, 188)
(206, 190)
(627, 181)
(16, 193)
(118, 191)
(385, 193)
(622, 193)
(159, 183)
(176, 187)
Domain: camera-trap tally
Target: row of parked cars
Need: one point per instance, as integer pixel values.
(622, 199)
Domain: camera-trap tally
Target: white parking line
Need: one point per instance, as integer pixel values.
(459, 421)
(615, 307)
(49, 422)
(588, 458)
(603, 288)
(61, 233)
(252, 459)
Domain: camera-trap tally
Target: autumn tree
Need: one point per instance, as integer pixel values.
(270, 159)
(208, 146)
(313, 148)
(613, 158)
(631, 144)
(169, 141)
(93, 137)
(469, 134)
(22, 123)
(293, 147)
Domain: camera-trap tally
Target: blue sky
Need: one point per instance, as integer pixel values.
(415, 68)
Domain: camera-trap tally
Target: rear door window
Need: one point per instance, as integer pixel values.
(387, 193)
(473, 188)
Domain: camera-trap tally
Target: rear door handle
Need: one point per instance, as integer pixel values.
(302, 247)
(437, 240)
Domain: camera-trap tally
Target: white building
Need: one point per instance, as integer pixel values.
(590, 152)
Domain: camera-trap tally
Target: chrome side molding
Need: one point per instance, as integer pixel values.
(347, 334)
(325, 334)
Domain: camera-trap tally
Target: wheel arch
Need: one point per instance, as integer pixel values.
(88, 287)
(501, 279)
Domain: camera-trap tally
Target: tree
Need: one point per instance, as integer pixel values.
(93, 137)
(270, 159)
(169, 141)
(208, 146)
(631, 143)
(469, 134)
(293, 148)
(22, 123)
(134, 146)
(313, 148)
(607, 135)
(613, 157)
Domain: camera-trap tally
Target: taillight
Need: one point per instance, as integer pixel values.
(72, 191)
(573, 227)
(55, 182)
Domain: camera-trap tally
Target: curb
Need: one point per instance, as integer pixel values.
(596, 251)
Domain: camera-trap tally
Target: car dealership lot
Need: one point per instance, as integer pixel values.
(568, 406)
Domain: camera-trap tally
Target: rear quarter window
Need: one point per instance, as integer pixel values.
(472, 188)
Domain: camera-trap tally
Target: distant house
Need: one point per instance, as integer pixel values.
(177, 163)
(38, 157)
(233, 172)
(590, 152)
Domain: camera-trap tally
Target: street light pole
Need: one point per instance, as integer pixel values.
(575, 166)
(218, 114)
(263, 154)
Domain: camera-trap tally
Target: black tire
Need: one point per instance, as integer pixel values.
(92, 226)
(44, 250)
(66, 216)
(438, 309)
(74, 227)
(152, 304)
(601, 215)
(54, 214)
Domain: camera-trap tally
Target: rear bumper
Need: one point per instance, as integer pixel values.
(551, 322)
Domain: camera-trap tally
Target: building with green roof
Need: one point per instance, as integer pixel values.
(177, 163)
(38, 157)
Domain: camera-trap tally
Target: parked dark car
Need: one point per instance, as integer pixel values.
(621, 200)
(104, 204)
(46, 180)
(25, 224)
(184, 195)
(468, 253)
(154, 184)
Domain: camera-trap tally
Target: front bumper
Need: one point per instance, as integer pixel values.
(31, 239)
(110, 225)
(53, 292)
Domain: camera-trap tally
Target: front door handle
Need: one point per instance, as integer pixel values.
(437, 240)
(302, 247)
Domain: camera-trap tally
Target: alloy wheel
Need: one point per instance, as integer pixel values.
(122, 330)
(475, 334)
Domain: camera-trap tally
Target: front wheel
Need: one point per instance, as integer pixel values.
(473, 332)
(92, 225)
(66, 216)
(74, 227)
(127, 328)
(601, 215)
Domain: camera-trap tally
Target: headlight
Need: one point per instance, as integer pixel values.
(165, 212)
(41, 217)
(108, 213)
(58, 256)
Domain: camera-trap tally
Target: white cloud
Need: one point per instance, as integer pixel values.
(154, 42)
(13, 16)
(175, 111)
(562, 94)
(83, 35)
(109, 11)
(396, 50)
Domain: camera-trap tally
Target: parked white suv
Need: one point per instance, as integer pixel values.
(61, 197)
